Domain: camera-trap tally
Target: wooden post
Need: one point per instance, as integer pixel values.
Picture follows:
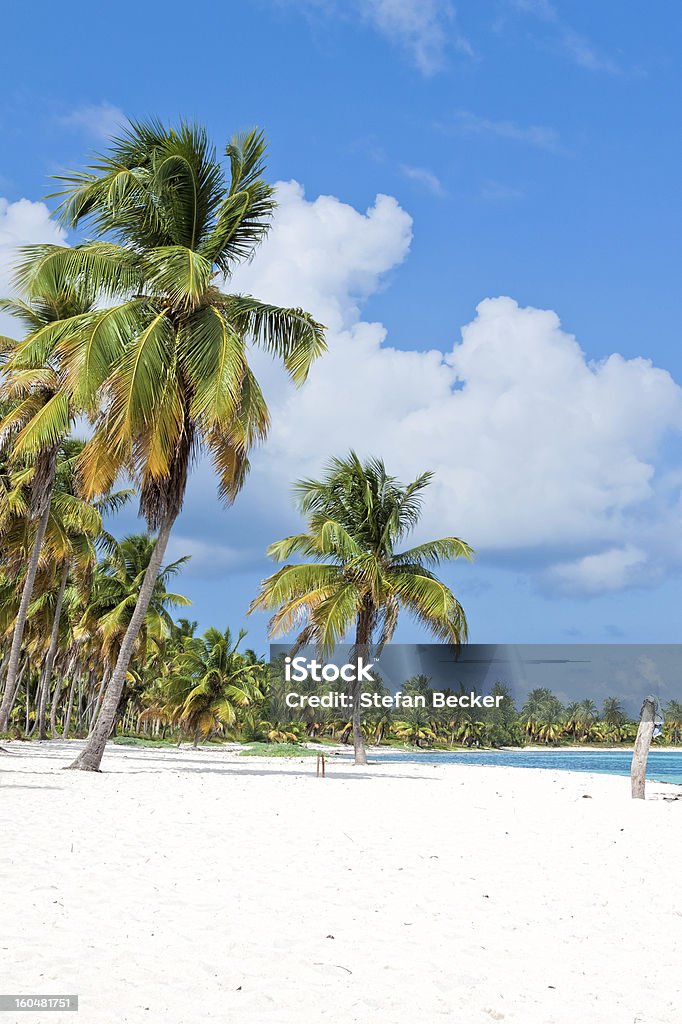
(320, 765)
(641, 751)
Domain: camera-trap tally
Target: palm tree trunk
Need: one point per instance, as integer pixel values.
(90, 757)
(20, 624)
(54, 705)
(361, 650)
(49, 659)
(28, 702)
(640, 754)
(24, 671)
(98, 701)
(40, 703)
(69, 705)
(3, 666)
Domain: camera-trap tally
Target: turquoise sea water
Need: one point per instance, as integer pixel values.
(662, 766)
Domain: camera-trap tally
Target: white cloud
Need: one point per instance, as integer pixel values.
(425, 177)
(533, 135)
(21, 223)
(425, 28)
(609, 570)
(102, 120)
(540, 455)
(297, 266)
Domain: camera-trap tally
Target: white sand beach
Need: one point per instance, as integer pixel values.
(186, 886)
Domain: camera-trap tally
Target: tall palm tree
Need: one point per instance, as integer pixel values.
(168, 365)
(39, 418)
(356, 580)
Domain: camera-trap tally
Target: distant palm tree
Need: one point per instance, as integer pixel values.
(673, 721)
(572, 721)
(549, 732)
(587, 717)
(612, 712)
(542, 714)
(166, 368)
(355, 579)
(213, 679)
(470, 732)
(415, 728)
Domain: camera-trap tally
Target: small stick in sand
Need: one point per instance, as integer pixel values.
(641, 752)
(320, 765)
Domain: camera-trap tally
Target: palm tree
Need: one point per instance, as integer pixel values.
(38, 420)
(213, 680)
(115, 591)
(415, 728)
(168, 365)
(69, 529)
(357, 580)
(110, 606)
(588, 714)
(80, 534)
(612, 713)
(470, 732)
(673, 721)
(541, 715)
(572, 722)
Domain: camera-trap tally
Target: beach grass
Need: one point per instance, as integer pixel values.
(278, 750)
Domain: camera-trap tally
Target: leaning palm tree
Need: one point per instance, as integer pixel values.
(168, 365)
(356, 580)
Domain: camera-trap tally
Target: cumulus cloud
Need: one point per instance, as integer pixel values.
(297, 266)
(609, 570)
(540, 455)
(543, 458)
(21, 223)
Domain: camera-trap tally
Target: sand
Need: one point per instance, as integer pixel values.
(188, 886)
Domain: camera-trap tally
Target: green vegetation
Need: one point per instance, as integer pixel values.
(278, 750)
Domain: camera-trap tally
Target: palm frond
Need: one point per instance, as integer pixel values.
(292, 335)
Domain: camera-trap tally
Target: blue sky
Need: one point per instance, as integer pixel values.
(530, 150)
